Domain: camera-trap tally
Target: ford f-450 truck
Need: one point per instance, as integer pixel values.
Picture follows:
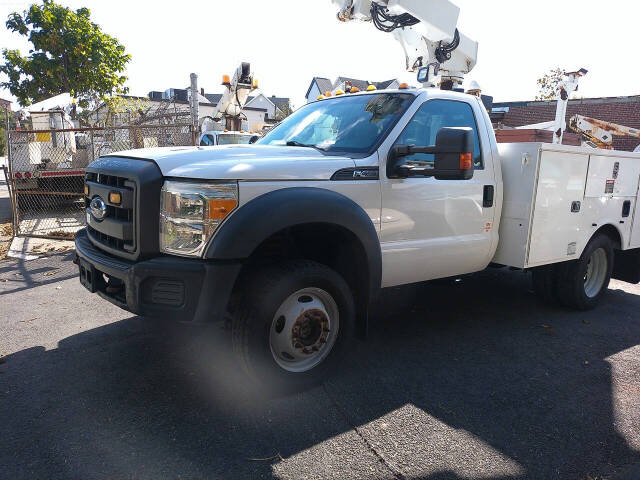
(294, 237)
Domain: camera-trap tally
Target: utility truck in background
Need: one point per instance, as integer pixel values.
(225, 125)
(294, 237)
(210, 138)
(598, 133)
(50, 158)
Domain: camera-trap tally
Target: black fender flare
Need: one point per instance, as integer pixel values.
(275, 211)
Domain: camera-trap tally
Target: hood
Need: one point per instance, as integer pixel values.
(242, 162)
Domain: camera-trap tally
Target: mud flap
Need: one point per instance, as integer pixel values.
(626, 266)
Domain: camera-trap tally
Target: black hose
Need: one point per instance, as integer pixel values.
(443, 52)
(386, 22)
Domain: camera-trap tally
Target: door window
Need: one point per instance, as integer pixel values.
(428, 120)
(207, 140)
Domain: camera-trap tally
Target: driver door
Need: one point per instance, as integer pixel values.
(438, 228)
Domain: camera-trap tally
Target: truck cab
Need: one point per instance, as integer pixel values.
(293, 237)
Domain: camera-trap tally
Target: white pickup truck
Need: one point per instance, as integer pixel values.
(294, 237)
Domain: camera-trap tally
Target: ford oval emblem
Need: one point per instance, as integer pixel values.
(98, 208)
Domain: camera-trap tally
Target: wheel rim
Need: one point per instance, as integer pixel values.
(596, 273)
(304, 330)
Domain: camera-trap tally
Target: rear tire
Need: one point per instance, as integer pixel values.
(582, 283)
(293, 325)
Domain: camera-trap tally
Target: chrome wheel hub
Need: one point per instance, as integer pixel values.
(304, 330)
(596, 273)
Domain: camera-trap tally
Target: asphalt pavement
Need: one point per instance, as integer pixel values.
(472, 379)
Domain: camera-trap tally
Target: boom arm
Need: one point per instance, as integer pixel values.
(236, 94)
(599, 133)
(427, 31)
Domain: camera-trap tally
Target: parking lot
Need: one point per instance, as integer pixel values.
(458, 380)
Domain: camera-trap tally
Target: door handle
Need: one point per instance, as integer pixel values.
(487, 199)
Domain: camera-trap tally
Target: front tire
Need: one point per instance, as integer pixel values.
(293, 325)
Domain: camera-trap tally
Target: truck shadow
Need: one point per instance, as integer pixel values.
(467, 379)
(17, 275)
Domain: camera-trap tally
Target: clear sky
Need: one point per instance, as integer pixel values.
(290, 41)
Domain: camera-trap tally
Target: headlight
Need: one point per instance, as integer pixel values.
(191, 212)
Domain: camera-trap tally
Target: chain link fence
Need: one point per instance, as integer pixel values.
(47, 168)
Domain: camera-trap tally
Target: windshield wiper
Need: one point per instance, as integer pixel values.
(295, 143)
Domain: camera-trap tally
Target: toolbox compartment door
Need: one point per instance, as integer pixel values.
(555, 234)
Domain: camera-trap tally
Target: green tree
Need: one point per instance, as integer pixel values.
(548, 84)
(70, 54)
(3, 130)
(117, 110)
(283, 111)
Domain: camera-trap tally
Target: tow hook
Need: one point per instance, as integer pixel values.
(114, 286)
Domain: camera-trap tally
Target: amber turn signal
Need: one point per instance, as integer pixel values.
(226, 80)
(115, 198)
(86, 190)
(219, 208)
(466, 161)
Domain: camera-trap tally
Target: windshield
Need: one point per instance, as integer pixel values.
(351, 124)
(233, 139)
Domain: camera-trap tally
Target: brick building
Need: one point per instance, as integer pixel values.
(621, 110)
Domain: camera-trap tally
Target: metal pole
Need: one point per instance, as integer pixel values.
(10, 181)
(195, 104)
(93, 147)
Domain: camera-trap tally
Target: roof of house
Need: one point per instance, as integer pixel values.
(277, 101)
(361, 84)
(2, 100)
(385, 84)
(324, 85)
(620, 110)
(213, 97)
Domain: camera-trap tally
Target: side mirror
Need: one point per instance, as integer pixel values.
(254, 139)
(453, 157)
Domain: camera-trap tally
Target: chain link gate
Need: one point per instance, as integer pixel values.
(47, 169)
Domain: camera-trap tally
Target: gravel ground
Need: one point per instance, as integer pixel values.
(458, 380)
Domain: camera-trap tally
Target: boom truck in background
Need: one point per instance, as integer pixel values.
(50, 158)
(594, 133)
(598, 133)
(224, 127)
(294, 237)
